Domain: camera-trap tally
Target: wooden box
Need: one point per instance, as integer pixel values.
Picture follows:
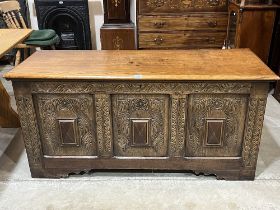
(163, 110)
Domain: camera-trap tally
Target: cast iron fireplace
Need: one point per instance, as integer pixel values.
(70, 20)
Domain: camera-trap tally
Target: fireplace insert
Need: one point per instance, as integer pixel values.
(70, 20)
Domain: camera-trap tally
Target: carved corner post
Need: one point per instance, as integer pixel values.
(253, 130)
(104, 125)
(178, 112)
(29, 127)
(117, 32)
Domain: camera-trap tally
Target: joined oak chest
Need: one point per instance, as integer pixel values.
(167, 110)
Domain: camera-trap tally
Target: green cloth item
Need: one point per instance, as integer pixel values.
(46, 37)
(40, 35)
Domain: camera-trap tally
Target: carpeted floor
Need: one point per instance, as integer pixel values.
(127, 191)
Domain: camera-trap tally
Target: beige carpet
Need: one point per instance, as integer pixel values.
(129, 191)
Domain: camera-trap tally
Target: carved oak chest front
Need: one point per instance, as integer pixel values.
(127, 110)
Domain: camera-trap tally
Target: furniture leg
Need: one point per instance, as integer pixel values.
(17, 59)
(8, 117)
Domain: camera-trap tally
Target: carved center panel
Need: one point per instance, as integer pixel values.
(66, 124)
(140, 125)
(215, 125)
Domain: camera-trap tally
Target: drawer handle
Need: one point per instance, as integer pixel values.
(211, 40)
(212, 24)
(158, 40)
(159, 24)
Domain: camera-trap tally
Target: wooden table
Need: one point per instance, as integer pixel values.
(9, 38)
(172, 110)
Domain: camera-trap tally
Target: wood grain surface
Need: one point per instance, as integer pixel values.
(237, 64)
(11, 37)
(8, 117)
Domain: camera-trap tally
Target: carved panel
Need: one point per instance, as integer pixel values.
(140, 87)
(29, 129)
(253, 131)
(52, 109)
(177, 141)
(231, 108)
(104, 124)
(127, 108)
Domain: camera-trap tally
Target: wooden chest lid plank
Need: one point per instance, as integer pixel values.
(237, 64)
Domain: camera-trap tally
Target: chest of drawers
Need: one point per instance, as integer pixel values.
(181, 24)
(162, 110)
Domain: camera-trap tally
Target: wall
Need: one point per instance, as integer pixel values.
(96, 17)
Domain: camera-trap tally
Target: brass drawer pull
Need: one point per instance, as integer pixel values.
(212, 24)
(159, 24)
(158, 40)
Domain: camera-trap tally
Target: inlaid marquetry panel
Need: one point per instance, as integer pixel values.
(140, 125)
(66, 124)
(215, 125)
(173, 6)
(116, 11)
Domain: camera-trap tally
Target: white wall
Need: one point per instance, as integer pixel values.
(96, 18)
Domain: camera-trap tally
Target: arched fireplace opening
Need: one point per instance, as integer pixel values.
(70, 20)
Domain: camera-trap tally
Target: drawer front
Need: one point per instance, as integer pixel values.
(209, 22)
(66, 124)
(215, 125)
(140, 125)
(177, 6)
(188, 40)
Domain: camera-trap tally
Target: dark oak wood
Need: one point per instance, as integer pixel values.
(121, 113)
(117, 32)
(116, 11)
(251, 26)
(274, 60)
(181, 40)
(193, 21)
(181, 24)
(118, 37)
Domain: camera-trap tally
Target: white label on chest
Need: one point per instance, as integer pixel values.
(138, 76)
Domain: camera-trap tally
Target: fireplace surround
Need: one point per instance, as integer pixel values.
(70, 20)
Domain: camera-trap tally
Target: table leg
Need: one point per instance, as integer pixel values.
(8, 117)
